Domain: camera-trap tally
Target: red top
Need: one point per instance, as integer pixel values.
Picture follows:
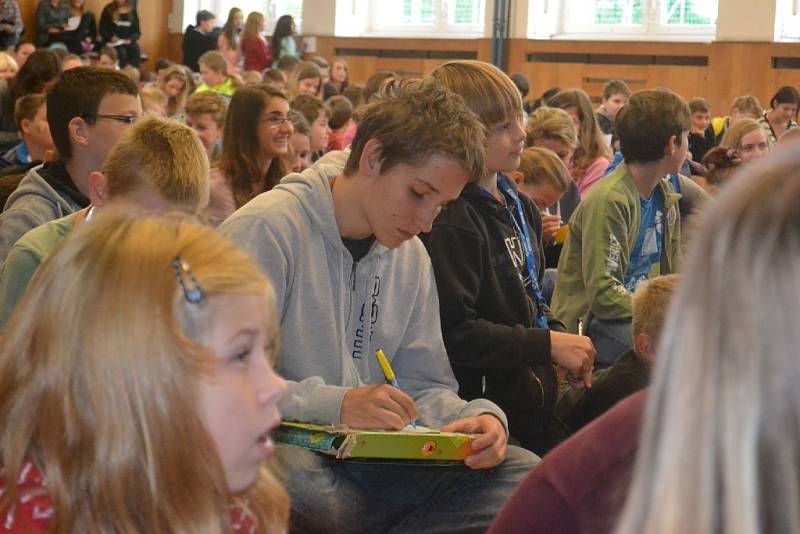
(256, 53)
(581, 485)
(33, 510)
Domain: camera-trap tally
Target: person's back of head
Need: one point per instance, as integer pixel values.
(413, 121)
(649, 305)
(8, 66)
(648, 122)
(40, 69)
(341, 111)
(275, 77)
(522, 83)
(719, 163)
(355, 94)
(725, 380)
(158, 165)
(374, 82)
(147, 290)
(77, 93)
(288, 64)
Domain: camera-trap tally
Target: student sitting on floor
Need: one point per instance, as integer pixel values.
(627, 229)
(486, 251)
(88, 110)
(157, 166)
(631, 372)
(351, 277)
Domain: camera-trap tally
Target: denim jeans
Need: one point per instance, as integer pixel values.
(335, 496)
(549, 284)
(611, 338)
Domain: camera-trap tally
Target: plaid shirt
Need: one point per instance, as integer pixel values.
(9, 14)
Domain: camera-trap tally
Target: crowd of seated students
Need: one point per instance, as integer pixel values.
(280, 222)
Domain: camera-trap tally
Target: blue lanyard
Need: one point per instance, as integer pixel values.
(525, 237)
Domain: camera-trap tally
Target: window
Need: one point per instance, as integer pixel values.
(430, 18)
(625, 18)
(787, 20)
(272, 9)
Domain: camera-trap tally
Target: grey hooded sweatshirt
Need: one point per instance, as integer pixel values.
(33, 203)
(335, 313)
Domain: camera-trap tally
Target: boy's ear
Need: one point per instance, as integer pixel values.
(370, 162)
(644, 347)
(671, 147)
(78, 131)
(517, 176)
(99, 194)
(24, 126)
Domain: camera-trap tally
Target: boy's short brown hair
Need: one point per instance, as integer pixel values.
(310, 107)
(487, 90)
(209, 102)
(699, 105)
(26, 107)
(616, 87)
(299, 123)
(166, 154)
(415, 120)
(645, 125)
(341, 111)
(78, 93)
(274, 75)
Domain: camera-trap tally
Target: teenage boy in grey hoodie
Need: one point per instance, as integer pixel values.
(88, 110)
(339, 242)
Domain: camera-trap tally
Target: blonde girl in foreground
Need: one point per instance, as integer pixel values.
(720, 448)
(139, 396)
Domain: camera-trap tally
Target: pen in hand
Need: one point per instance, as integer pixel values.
(389, 374)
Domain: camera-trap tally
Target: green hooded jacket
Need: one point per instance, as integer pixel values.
(602, 233)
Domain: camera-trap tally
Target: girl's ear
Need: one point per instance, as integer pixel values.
(517, 176)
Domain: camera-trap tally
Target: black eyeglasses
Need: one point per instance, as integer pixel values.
(127, 119)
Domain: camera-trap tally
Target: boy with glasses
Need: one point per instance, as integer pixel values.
(88, 110)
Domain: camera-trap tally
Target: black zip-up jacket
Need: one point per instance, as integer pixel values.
(488, 317)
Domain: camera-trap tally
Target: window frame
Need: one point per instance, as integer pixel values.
(653, 27)
(441, 28)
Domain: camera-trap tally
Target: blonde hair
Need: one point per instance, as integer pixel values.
(7, 62)
(176, 104)
(747, 104)
(214, 61)
(99, 383)
(151, 97)
(650, 302)
(209, 102)
(541, 166)
(733, 137)
(719, 449)
(551, 123)
(166, 154)
(487, 90)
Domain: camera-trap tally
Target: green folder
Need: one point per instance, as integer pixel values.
(344, 442)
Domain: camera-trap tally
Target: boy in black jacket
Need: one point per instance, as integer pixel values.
(487, 257)
(199, 39)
